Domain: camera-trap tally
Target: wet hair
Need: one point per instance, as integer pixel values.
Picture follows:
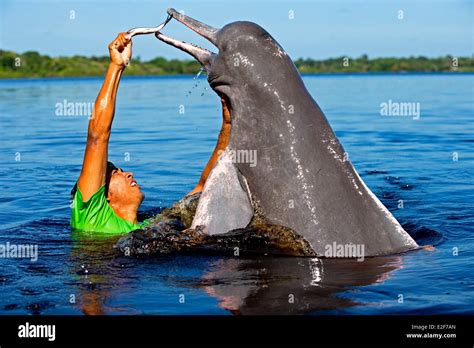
(108, 174)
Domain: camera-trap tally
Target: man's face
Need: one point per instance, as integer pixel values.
(123, 189)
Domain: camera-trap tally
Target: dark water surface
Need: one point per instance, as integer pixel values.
(400, 158)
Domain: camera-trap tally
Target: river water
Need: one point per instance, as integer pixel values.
(420, 166)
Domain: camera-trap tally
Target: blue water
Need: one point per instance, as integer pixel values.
(400, 158)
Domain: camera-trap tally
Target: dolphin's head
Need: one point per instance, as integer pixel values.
(249, 61)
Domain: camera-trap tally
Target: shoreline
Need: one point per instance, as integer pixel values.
(174, 76)
(32, 64)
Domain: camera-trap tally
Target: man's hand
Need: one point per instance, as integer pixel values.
(121, 50)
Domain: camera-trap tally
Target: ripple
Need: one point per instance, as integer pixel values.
(36, 308)
(11, 306)
(423, 235)
(30, 292)
(9, 274)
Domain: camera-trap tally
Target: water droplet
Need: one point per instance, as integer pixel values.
(196, 83)
(198, 74)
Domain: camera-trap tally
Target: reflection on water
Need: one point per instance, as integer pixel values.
(90, 260)
(291, 285)
(258, 285)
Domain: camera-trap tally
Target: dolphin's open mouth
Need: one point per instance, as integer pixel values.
(206, 59)
(202, 55)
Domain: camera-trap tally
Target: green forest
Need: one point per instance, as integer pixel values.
(33, 64)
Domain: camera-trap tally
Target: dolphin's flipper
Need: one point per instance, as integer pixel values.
(224, 204)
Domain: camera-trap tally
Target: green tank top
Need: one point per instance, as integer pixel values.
(96, 215)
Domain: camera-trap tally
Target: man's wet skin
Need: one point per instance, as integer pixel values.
(120, 193)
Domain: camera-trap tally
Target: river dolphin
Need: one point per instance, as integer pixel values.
(302, 178)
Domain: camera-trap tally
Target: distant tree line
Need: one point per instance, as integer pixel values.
(406, 64)
(33, 64)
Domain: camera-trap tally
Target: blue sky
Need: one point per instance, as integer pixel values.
(319, 29)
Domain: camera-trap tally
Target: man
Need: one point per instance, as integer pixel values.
(106, 199)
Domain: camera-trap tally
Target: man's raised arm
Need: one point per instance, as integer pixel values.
(93, 171)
